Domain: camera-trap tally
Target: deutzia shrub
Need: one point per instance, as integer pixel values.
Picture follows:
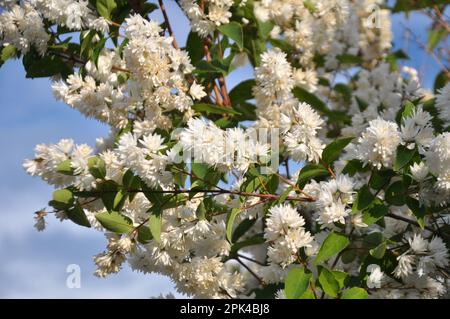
(289, 185)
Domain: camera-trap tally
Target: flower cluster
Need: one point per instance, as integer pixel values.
(181, 185)
(285, 234)
(202, 22)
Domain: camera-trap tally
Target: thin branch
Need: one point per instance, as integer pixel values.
(210, 191)
(167, 22)
(251, 272)
(409, 221)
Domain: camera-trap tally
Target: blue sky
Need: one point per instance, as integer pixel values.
(33, 265)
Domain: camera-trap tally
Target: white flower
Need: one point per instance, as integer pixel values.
(274, 75)
(419, 171)
(281, 218)
(378, 143)
(443, 103)
(404, 267)
(375, 277)
(335, 213)
(197, 91)
(417, 243)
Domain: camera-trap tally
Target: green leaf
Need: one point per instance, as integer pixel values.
(334, 149)
(65, 167)
(115, 222)
(242, 92)
(230, 222)
(242, 229)
(374, 214)
(234, 31)
(435, 36)
(304, 96)
(354, 293)
(144, 234)
(349, 59)
(194, 47)
(328, 283)
(378, 252)
(333, 244)
(201, 211)
(309, 172)
(199, 170)
(77, 215)
(7, 53)
(441, 80)
(296, 283)
(105, 8)
(108, 190)
(395, 194)
(309, 4)
(97, 167)
(119, 200)
(40, 67)
(404, 157)
(212, 68)
(62, 199)
(264, 28)
(418, 210)
(213, 109)
(408, 110)
(340, 277)
(381, 178)
(155, 224)
(354, 166)
(258, 239)
(364, 198)
(345, 91)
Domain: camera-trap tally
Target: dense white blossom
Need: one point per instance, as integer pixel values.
(378, 143)
(184, 167)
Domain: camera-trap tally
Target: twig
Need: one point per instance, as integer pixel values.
(168, 26)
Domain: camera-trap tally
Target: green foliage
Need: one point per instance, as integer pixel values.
(65, 167)
(296, 283)
(364, 199)
(309, 172)
(334, 149)
(418, 210)
(396, 194)
(194, 47)
(230, 222)
(234, 31)
(328, 282)
(115, 222)
(333, 244)
(213, 109)
(7, 53)
(106, 7)
(355, 293)
(97, 167)
(404, 157)
(49, 65)
(374, 213)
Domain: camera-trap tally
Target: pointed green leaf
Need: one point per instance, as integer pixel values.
(115, 222)
(234, 31)
(296, 283)
(354, 293)
(333, 244)
(334, 149)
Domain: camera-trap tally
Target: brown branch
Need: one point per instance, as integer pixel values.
(409, 221)
(212, 192)
(166, 21)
